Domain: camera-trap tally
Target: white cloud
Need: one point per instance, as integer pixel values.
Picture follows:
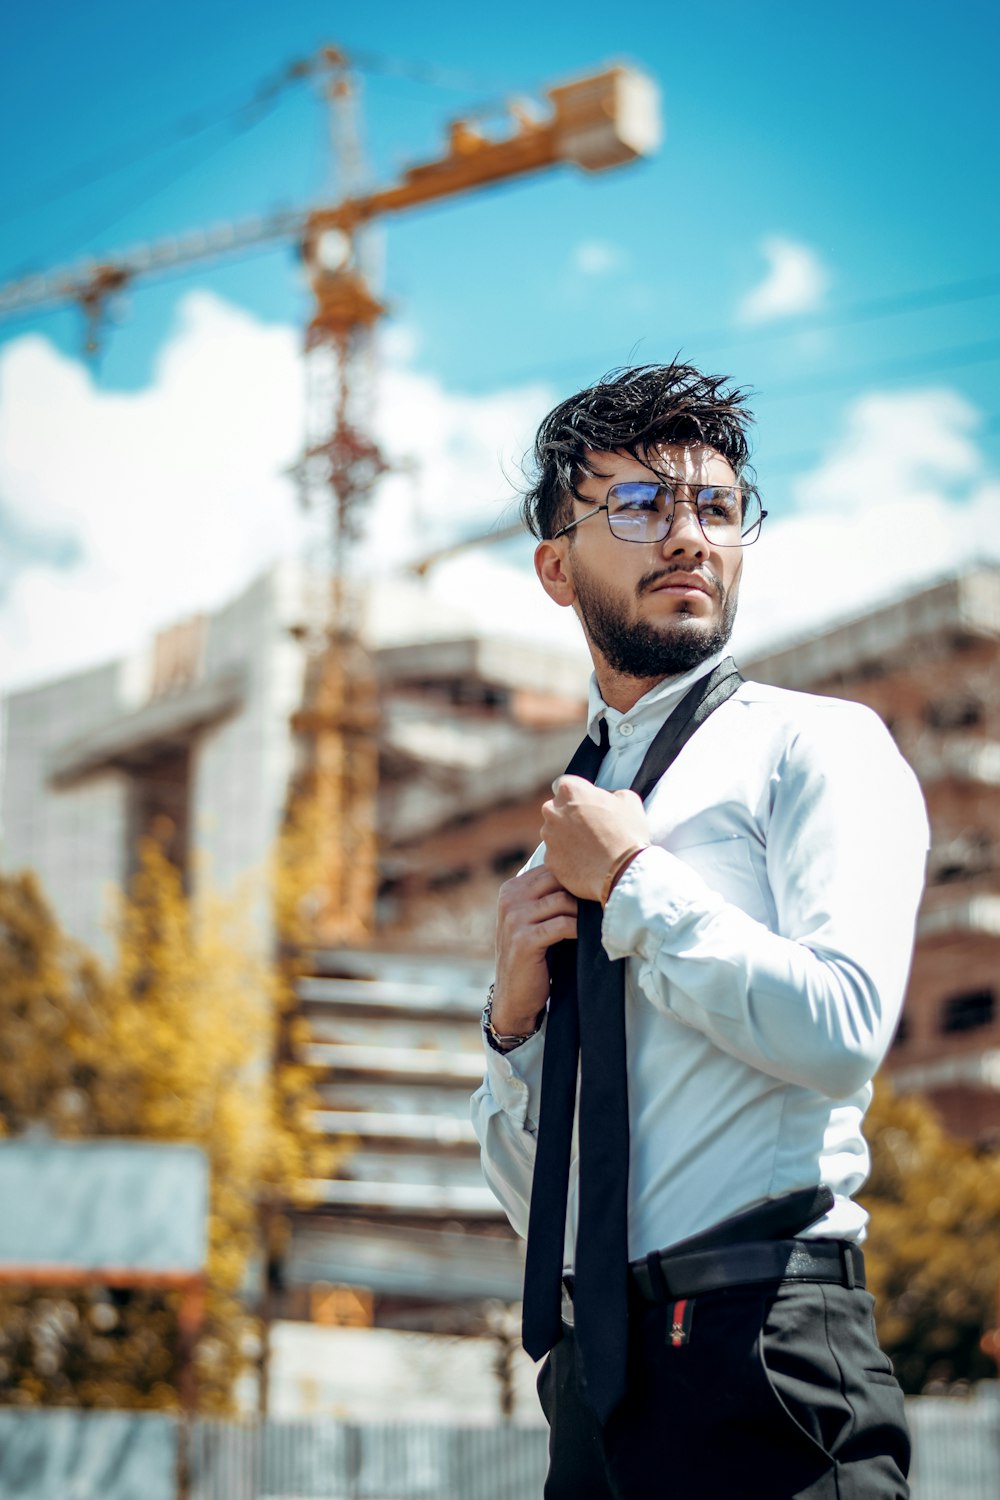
(504, 598)
(597, 258)
(178, 494)
(904, 497)
(796, 282)
(451, 454)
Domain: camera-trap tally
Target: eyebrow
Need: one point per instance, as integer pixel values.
(660, 480)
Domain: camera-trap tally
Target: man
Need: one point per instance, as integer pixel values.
(744, 942)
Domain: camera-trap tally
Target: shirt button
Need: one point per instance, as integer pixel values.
(626, 729)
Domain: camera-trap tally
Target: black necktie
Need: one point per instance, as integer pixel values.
(586, 1021)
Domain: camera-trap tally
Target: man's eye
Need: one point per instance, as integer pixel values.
(719, 504)
(644, 499)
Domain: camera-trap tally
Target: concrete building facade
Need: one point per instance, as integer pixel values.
(193, 739)
(191, 731)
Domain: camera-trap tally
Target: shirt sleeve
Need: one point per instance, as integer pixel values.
(816, 1001)
(505, 1119)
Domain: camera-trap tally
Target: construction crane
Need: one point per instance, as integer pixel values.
(595, 122)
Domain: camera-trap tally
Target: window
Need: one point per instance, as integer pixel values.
(159, 804)
(509, 859)
(964, 711)
(961, 858)
(968, 1012)
(442, 880)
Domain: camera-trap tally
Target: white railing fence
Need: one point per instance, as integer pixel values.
(73, 1455)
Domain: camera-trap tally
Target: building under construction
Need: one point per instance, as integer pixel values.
(929, 664)
(197, 738)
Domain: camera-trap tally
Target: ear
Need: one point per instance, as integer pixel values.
(553, 571)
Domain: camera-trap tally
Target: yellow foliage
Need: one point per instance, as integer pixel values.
(933, 1251)
(178, 1043)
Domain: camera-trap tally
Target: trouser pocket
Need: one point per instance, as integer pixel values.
(774, 1393)
(833, 1387)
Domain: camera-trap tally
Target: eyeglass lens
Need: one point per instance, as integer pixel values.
(643, 513)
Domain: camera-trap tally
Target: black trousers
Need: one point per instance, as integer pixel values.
(780, 1392)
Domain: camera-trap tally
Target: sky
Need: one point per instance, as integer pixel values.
(819, 223)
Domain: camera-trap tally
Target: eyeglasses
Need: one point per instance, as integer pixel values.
(642, 511)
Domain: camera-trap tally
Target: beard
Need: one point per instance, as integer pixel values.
(638, 648)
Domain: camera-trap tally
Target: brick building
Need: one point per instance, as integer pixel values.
(929, 664)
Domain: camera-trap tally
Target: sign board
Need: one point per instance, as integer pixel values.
(130, 1206)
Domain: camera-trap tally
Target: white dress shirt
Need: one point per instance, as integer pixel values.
(768, 932)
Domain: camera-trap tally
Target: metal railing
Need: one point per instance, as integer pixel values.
(73, 1455)
(324, 1460)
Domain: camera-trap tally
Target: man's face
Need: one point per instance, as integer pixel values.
(652, 609)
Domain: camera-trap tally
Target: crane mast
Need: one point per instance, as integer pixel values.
(595, 122)
(337, 727)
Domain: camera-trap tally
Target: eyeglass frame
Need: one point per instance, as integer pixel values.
(654, 541)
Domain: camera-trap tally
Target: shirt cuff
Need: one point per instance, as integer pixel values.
(657, 892)
(515, 1077)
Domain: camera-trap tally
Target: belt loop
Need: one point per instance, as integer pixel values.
(847, 1261)
(659, 1282)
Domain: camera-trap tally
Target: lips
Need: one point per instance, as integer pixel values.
(681, 583)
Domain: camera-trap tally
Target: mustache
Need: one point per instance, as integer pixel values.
(705, 575)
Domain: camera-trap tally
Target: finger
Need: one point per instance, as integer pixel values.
(538, 881)
(525, 911)
(564, 787)
(560, 903)
(556, 930)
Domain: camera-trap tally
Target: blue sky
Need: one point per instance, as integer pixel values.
(820, 222)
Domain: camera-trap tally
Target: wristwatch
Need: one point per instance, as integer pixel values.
(497, 1041)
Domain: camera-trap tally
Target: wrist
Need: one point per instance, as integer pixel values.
(503, 1032)
(618, 869)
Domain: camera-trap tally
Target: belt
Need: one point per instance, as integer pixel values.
(662, 1277)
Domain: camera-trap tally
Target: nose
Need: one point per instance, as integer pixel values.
(685, 537)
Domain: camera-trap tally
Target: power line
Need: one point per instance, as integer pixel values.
(956, 357)
(942, 294)
(945, 294)
(803, 457)
(431, 74)
(187, 128)
(88, 173)
(157, 182)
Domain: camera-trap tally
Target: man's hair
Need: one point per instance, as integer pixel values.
(632, 410)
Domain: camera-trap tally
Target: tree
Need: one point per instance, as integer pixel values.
(175, 1044)
(933, 1251)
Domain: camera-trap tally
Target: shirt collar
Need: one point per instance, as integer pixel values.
(654, 706)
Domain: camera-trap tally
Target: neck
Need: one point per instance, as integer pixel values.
(620, 691)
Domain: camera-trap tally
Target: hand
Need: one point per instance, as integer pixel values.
(587, 831)
(533, 912)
